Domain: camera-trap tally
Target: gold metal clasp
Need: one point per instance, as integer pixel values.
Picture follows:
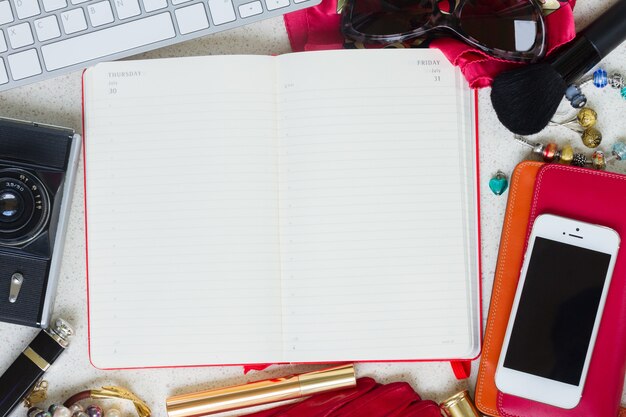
(38, 394)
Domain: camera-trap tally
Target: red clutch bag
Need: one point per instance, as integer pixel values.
(595, 197)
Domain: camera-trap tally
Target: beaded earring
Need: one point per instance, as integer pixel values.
(550, 152)
(600, 79)
(584, 119)
(583, 123)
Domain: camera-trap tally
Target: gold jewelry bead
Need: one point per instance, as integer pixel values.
(567, 154)
(592, 137)
(587, 117)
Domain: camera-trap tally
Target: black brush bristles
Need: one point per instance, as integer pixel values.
(525, 99)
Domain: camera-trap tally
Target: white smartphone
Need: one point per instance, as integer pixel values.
(557, 310)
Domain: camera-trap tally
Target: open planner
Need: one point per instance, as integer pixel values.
(309, 207)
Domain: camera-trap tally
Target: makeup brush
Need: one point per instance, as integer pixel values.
(525, 99)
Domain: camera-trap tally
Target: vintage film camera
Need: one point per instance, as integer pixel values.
(37, 168)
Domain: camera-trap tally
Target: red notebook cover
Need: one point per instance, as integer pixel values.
(596, 197)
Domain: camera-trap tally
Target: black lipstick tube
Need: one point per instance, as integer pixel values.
(30, 365)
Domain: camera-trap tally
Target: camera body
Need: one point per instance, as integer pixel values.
(38, 166)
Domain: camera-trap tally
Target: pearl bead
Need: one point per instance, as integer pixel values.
(94, 411)
(76, 407)
(80, 413)
(61, 411)
(113, 412)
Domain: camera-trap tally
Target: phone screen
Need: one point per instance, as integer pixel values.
(557, 310)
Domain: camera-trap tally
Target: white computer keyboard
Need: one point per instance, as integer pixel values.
(40, 39)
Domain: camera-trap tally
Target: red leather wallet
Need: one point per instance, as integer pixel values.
(596, 197)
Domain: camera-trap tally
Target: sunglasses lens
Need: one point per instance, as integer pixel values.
(390, 17)
(508, 25)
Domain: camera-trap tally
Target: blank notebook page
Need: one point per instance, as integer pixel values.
(182, 210)
(376, 217)
(307, 207)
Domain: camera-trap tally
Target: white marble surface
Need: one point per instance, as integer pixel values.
(58, 101)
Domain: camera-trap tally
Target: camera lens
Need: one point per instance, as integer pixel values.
(24, 206)
(11, 205)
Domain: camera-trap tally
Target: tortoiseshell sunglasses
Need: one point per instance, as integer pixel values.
(507, 29)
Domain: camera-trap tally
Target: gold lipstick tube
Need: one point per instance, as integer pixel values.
(261, 392)
(460, 405)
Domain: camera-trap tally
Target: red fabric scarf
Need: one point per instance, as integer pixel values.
(368, 399)
(317, 28)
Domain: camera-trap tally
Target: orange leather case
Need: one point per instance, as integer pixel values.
(510, 257)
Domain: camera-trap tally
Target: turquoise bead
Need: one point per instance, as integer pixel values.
(624, 93)
(619, 150)
(499, 183)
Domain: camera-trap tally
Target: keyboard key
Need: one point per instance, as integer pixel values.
(4, 77)
(73, 21)
(152, 5)
(127, 8)
(6, 15)
(100, 13)
(78, 1)
(99, 44)
(3, 43)
(24, 64)
(50, 5)
(250, 9)
(276, 4)
(176, 2)
(299, 1)
(47, 28)
(191, 18)
(26, 8)
(20, 35)
(221, 11)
